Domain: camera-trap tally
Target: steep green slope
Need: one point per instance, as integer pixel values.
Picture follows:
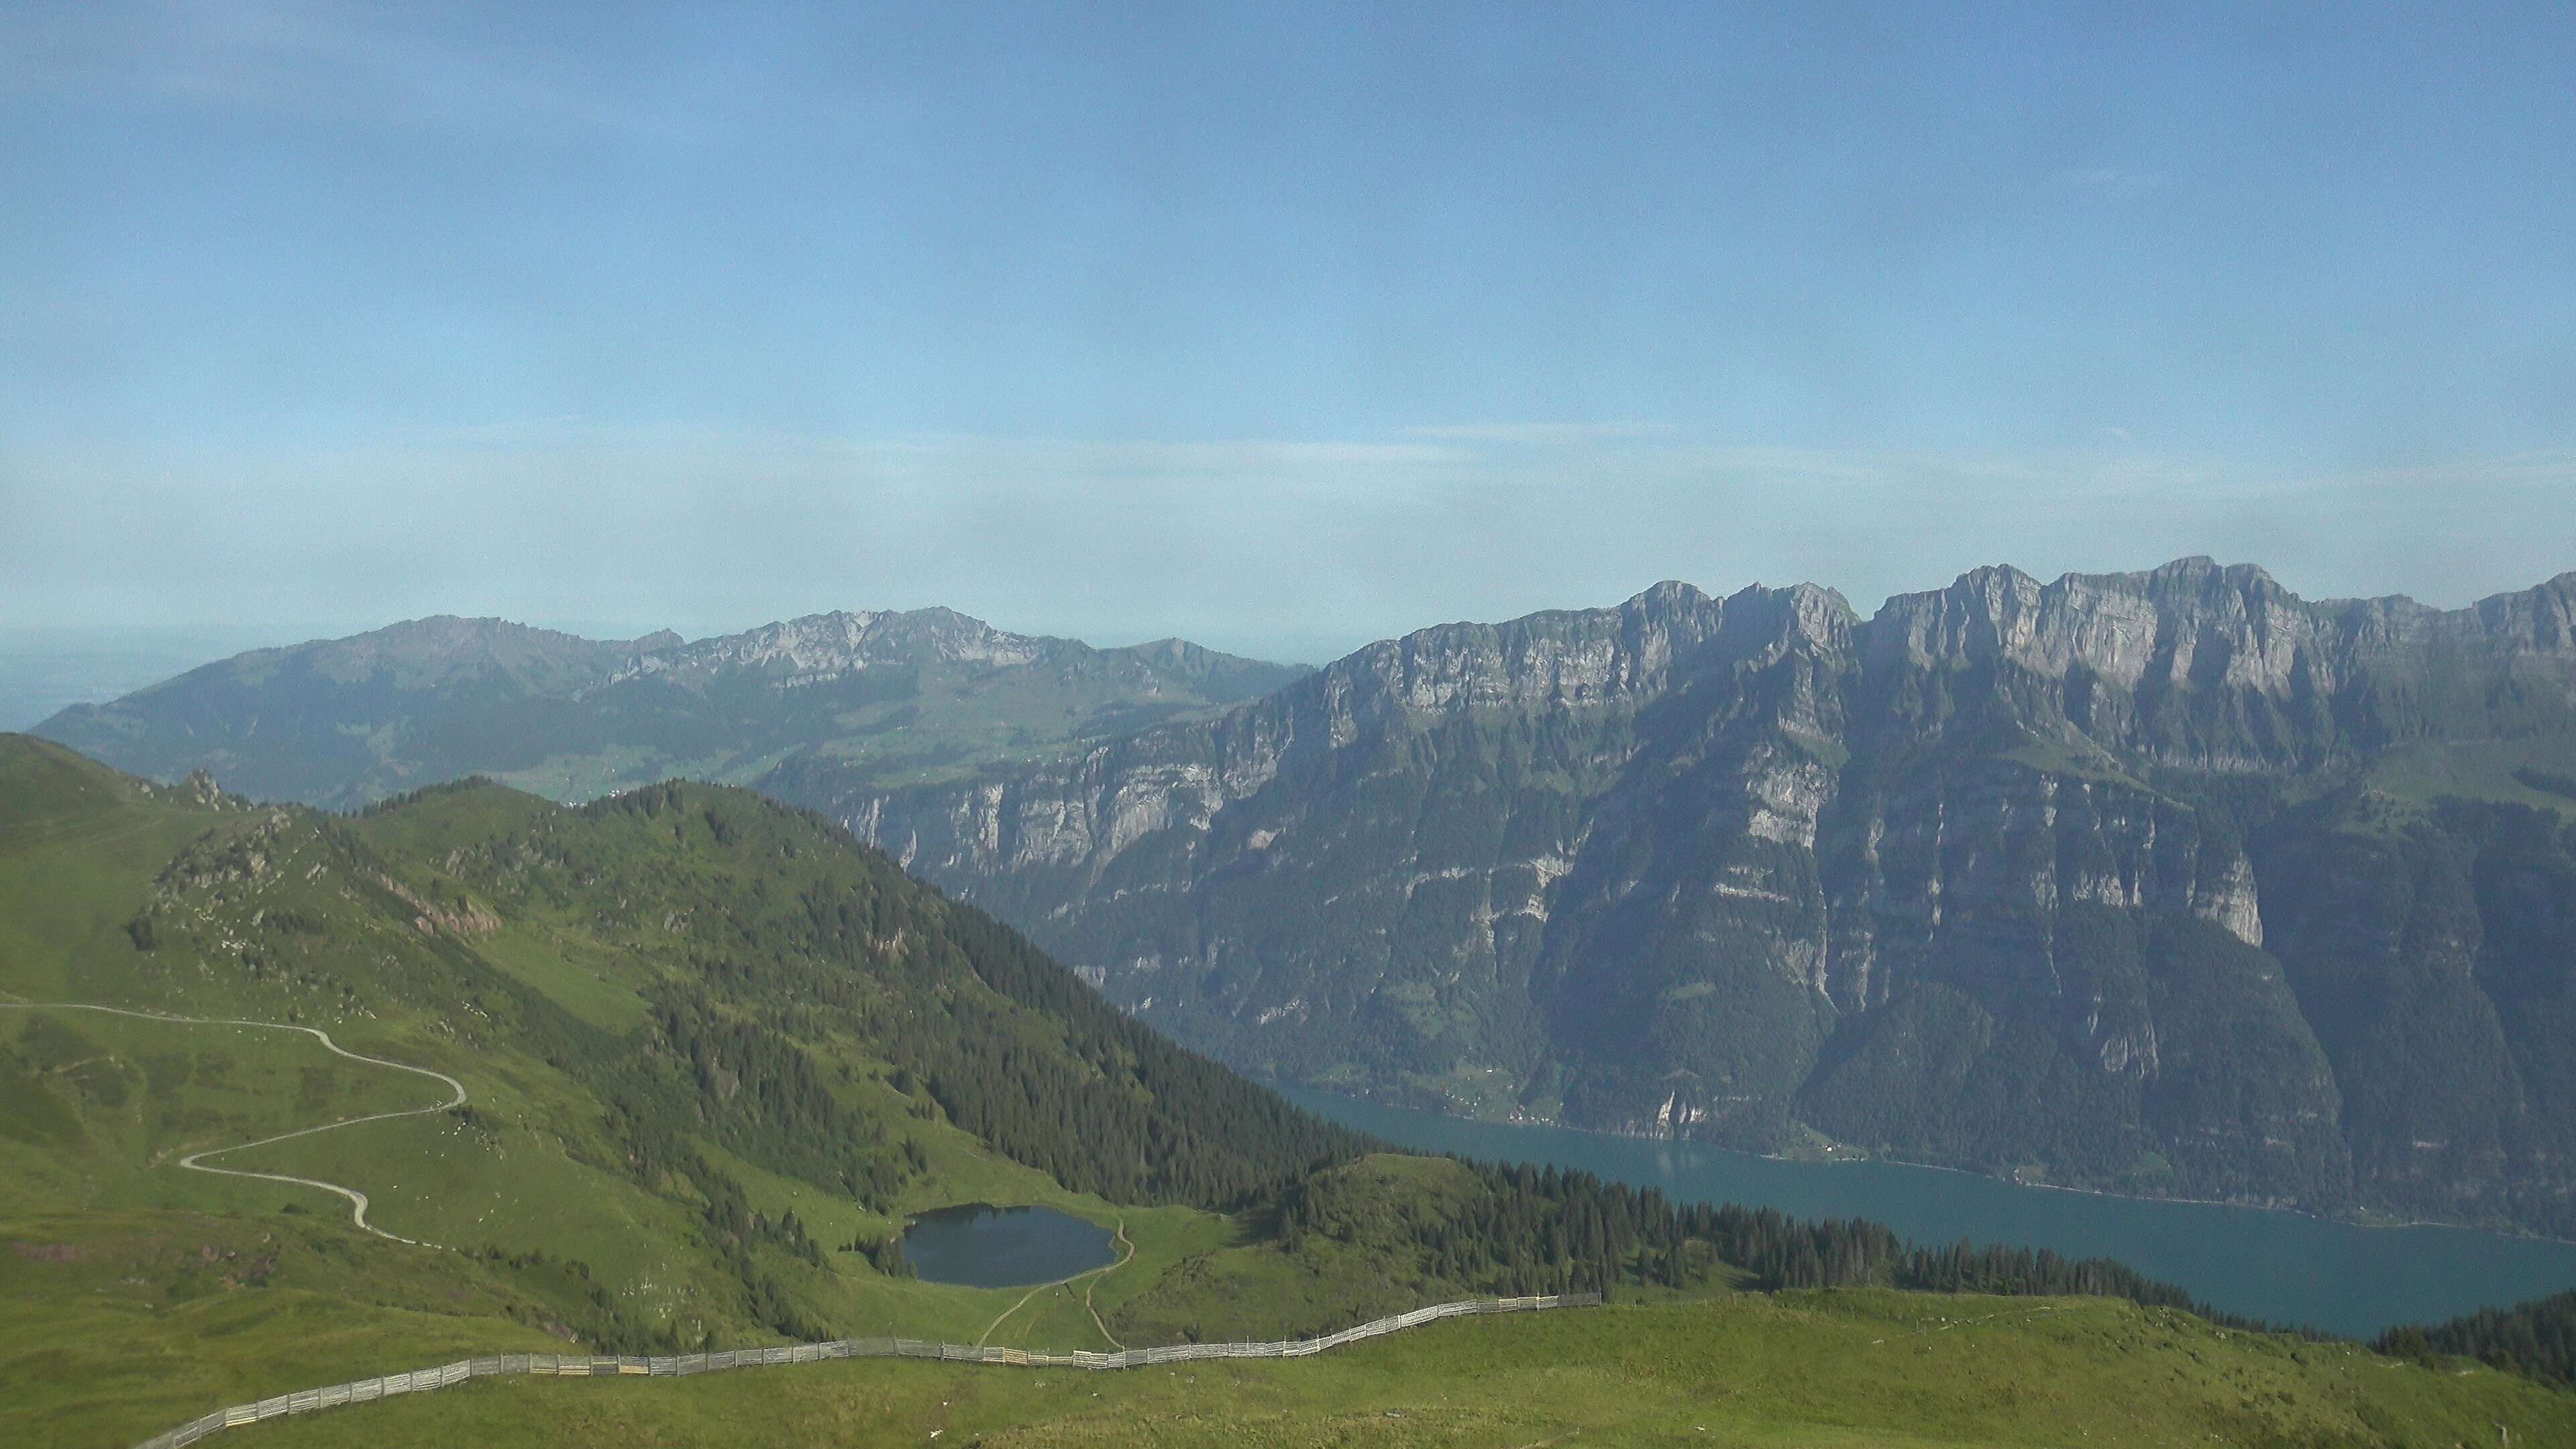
(715, 1053)
(739, 945)
(832, 701)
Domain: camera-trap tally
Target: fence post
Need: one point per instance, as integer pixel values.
(583, 1366)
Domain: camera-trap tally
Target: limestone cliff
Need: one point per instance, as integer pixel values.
(1985, 878)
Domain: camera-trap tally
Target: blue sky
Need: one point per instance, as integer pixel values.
(1283, 327)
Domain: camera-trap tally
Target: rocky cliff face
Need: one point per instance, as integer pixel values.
(820, 648)
(1988, 877)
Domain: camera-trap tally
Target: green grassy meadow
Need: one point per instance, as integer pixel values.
(1853, 1367)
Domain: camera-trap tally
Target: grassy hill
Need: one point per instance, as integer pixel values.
(709, 1044)
(715, 1054)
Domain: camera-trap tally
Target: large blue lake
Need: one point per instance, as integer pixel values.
(983, 1246)
(2273, 1265)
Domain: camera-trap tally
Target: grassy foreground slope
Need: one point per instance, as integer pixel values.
(1852, 1367)
(715, 1055)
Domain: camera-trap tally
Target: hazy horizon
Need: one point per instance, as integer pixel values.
(43, 670)
(1280, 331)
(222, 641)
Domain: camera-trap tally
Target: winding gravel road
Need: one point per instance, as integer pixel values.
(196, 1160)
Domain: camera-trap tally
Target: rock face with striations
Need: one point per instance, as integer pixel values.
(2094, 879)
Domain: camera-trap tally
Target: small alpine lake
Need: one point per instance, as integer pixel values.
(2272, 1265)
(982, 1246)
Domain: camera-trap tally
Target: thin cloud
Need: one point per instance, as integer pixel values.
(2549, 467)
(1298, 548)
(2110, 180)
(307, 61)
(1538, 433)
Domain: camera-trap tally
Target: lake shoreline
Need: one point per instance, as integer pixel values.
(992, 1245)
(1888, 1159)
(2278, 1265)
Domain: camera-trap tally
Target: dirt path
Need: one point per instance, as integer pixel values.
(1094, 1274)
(195, 1161)
(1087, 1288)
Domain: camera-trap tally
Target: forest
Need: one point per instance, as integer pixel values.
(2537, 1338)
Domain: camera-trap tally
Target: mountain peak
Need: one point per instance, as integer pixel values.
(428, 651)
(2206, 573)
(2189, 564)
(1802, 598)
(1669, 595)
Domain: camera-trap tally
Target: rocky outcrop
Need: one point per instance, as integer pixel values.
(1970, 879)
(822, 647)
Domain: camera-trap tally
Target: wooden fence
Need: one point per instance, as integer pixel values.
(680, 1365)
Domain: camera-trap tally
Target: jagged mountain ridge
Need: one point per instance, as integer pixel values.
(849, 696)
(2008, 874)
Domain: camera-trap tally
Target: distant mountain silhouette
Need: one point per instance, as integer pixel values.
(852, 698)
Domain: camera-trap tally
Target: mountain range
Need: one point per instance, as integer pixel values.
(673, 1069)
(851, 698)
(2166, 882)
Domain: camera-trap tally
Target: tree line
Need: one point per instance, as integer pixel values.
(1527, 1228)
(2537, 1338)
